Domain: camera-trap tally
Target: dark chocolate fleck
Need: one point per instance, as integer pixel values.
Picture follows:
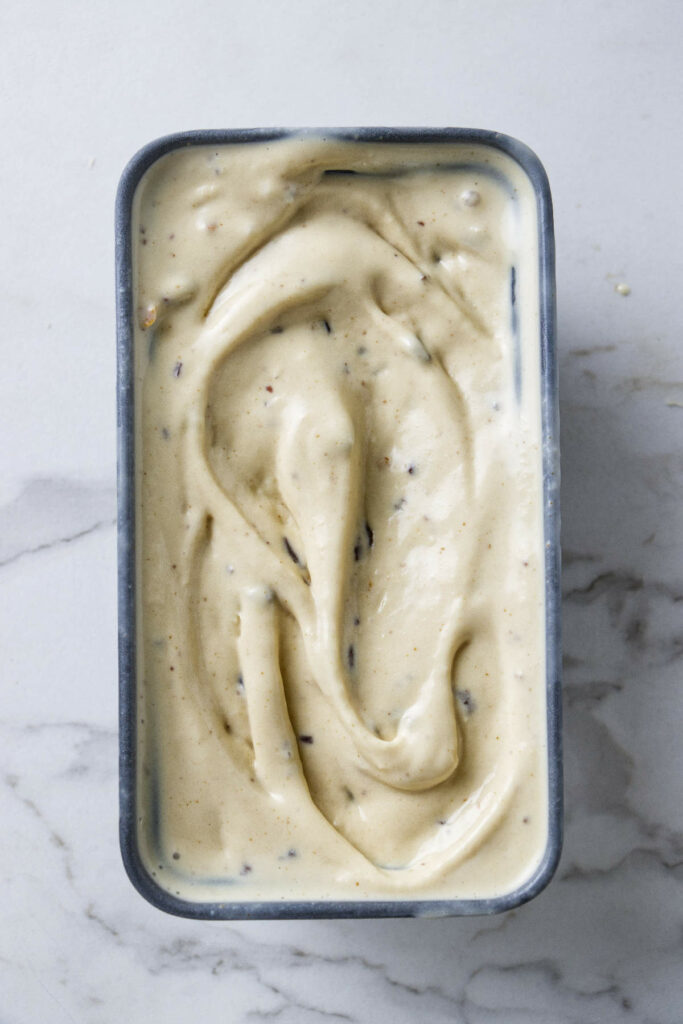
(349, 794)
(165, 433)
(356, 551)
(356, 621)
(240, 682)
(226, 725)
(276, 330)
(370, 535)
(467, 700)
(177, 369)
(351, 656)
(176, 856)
(305, 738)
(411, 469)
(327, 327)
(291, 552)
(245, 869)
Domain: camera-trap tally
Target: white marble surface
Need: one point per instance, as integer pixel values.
(596, 89)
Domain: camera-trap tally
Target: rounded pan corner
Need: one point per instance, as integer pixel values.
(138, 876)
(530, 163)
(136, 167)
(527, 891)
(540, 879)
(143, 882)
(527, 159)
(152, 151)
(147, 155)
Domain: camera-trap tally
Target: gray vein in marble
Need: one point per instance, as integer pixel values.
(92, 915)
(638, 856)
(192, 956)
(48, 513)
(94, 747)
(604, 792)
(618, 583)
(575, 557)
(547, 970)
(13, 783)
(58, 542)
(588, 695)
(634, 384)
(641, 634)
(497, 926)
(635, 608)
(257, 958)
(463, 1003)
(592, 742)
(294, 1004)
(581, 353)
(74, 724)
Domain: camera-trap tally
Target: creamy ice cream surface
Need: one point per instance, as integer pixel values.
(340, 568)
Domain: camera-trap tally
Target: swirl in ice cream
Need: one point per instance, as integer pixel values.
(342, 601)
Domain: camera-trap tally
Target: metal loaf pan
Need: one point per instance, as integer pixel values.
(128, 684)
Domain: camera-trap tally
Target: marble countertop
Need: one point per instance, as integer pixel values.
(595, 89)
